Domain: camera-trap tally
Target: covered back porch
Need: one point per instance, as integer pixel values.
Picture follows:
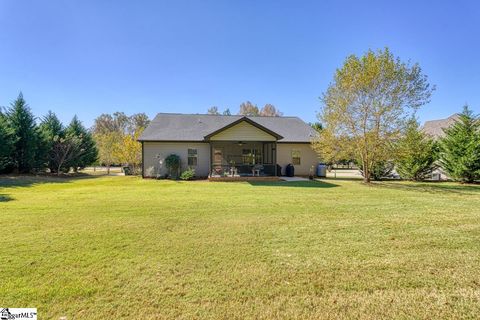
(234, 159)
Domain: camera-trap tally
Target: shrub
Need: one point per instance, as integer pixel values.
(188, 174)
(172, 162)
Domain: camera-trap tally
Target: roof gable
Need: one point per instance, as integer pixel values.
(244, 129)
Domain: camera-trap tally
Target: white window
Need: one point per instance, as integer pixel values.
(192, 157)
(296, 157)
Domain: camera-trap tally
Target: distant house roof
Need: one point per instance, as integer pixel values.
(435, 128)
(198, 127)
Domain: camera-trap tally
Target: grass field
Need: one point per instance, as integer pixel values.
(127, 248)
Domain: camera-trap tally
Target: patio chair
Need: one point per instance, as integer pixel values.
(257, 169)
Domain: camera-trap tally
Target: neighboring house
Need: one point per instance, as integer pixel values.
(217, 145)
(435, 129)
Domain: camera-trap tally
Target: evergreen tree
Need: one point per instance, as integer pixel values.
(25, 155)
(87, 151)
(460, 148)
(7, 141)
(415, 153)
(51, 131)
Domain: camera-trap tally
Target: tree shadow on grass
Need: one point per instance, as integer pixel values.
(293, 184)
(431, 187)
(18, 181)
(5, 198)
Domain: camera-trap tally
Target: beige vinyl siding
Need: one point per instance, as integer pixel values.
(243, 132)
(155, 151)
(308, 157)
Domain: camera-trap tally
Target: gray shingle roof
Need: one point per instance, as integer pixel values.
(194, 127)
(435, 128)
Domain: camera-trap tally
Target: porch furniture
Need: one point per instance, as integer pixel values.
(256, 169)
(233, 171)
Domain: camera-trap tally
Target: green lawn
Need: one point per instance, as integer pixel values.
(127, 248)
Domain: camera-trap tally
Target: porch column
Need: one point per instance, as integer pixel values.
(274, 156)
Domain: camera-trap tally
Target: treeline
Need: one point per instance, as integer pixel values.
(116, 137)
(48, 146)
(249, 109)
(33, 145)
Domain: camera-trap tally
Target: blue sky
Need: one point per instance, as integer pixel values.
(90, 57)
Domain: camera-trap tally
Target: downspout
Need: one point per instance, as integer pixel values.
(143, 162)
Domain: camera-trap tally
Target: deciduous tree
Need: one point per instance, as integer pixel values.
(368, 103)
(269, 110)
(248, 109)
(64, 150)
(213, 110)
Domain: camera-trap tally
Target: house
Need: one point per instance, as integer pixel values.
(218, 145)
(435, 129)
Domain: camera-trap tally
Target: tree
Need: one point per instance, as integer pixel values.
(227, 112)
(25, 155)
(379, 170)
(7, 142)
(269, 110)
(368, 102)
(129, 150)
(248, 109)
(213, 110)
(106, 143)
(87, 152)
(460, 148)
(116, 136)
(317, 126)
(64, 150)
(51, 130)
(415, 153)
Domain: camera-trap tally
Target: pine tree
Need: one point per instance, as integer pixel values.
(415, 153)
(51, 131)
(25, 155)
(460, 148)
(87, 152)
(7, 142)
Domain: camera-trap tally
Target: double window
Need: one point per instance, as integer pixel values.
(296, 157)
(192, 157)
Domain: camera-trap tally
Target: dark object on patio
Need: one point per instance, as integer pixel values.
(290, 170)
(127, 171)
(321, 170)
(279, 170)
